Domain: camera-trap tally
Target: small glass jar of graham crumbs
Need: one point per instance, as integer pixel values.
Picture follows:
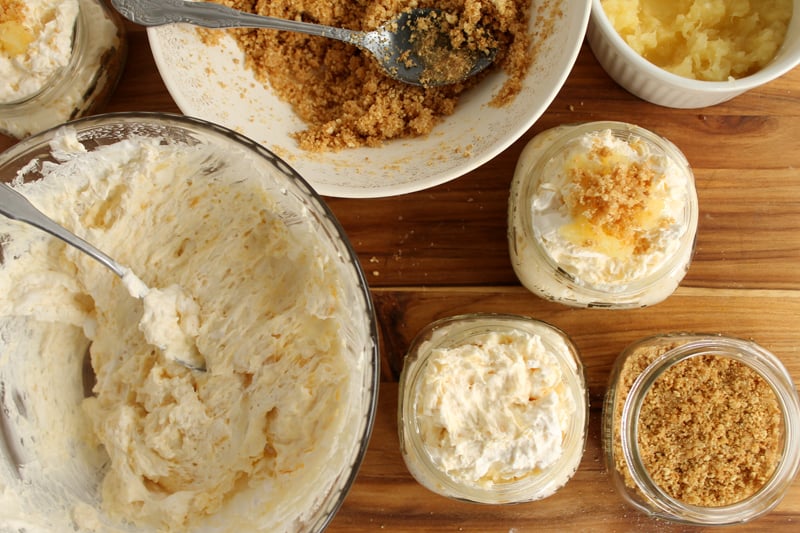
(602, 214)
(493, 408)
(701, 429)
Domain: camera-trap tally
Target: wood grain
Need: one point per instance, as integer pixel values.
(599, 334)
(443, 251)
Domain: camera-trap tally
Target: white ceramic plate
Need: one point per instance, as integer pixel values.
(210, 82)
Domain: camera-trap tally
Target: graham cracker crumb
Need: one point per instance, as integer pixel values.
(613, 195)
(709, 428)
(342, 95)
(12, 11)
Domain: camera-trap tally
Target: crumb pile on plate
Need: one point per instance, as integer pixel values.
(342, 94)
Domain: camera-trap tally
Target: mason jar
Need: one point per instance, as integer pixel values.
(602, 214)
(493, 408)
(64, 61)
(701, 429)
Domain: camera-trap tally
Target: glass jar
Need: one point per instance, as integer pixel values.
(493, 408)
(602, 214)
(96, 59)
(701, 429)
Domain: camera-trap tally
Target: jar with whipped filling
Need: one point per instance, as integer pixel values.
(701, 429)
(59, 60)
(602, 214)
(493, 408)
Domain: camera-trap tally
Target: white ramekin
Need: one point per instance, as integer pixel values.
(649, 82)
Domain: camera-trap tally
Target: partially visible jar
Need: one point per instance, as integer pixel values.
(493, 408)
(59, 60)
(701, 429)
(602, 214)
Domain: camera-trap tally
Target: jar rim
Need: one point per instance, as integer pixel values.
(772, 370)
(471, 325)
(671, 265)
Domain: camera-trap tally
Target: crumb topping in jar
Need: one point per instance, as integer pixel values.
(610, 195)
(602, 214)
(609, 208)
(710, 427)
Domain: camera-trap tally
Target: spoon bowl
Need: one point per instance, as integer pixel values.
(413, 48)
(16, 207)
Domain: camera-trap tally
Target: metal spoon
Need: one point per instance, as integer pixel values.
(407, 50)
(16, 207)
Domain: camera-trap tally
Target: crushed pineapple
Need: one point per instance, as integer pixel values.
(713, 40)
(14, 38)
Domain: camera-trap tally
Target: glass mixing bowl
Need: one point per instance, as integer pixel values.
(52, 466)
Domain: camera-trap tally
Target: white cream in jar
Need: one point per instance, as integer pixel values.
(602, 214)
(59, 59)
(492, 409)
(35, 42)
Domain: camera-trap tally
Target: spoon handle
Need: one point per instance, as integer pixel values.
(211, 15)
(17, 207)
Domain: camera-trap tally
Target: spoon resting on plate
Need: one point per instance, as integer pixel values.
(169, 318)
(415, 48)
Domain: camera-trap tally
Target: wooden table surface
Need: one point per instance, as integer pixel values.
(443, 251)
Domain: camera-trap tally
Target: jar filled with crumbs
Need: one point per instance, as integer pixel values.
(701, 429)
(59, 60)
(602, 214)
(492, 408)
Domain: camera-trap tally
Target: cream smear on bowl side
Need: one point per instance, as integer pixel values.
(253, 442)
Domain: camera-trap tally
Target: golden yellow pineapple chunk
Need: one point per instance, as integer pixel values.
(14, 38)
